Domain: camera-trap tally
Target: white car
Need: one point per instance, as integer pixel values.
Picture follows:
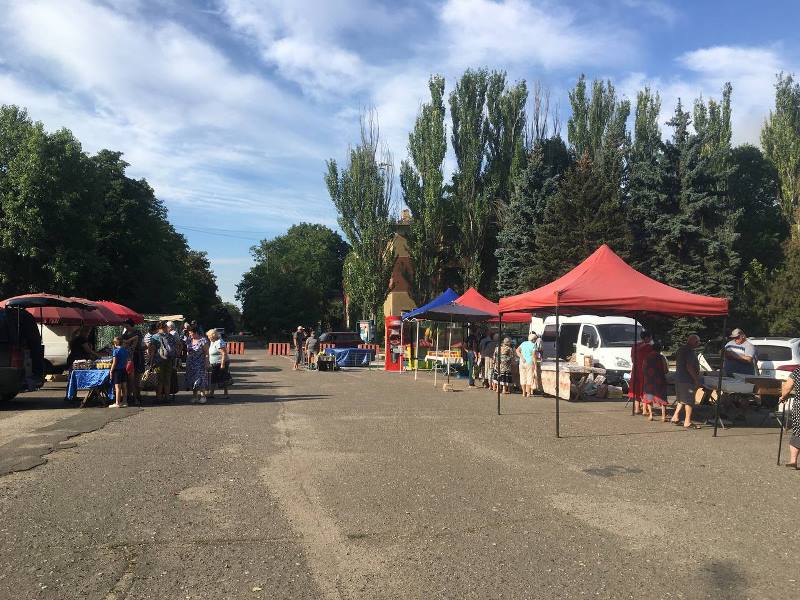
(777, 356)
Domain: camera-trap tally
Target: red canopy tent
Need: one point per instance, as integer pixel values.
(606, 284)
(472, 298)
(50, 309)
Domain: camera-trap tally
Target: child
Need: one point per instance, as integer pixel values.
(119, 375)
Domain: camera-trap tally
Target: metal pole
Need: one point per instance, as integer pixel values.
(449, 345)
(496, 365)
(631, 389)
(719, 377)
(435, 370)
(416, 353)
(402, 348)
(558, 368)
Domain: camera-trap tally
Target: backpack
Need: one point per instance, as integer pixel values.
(166, 350)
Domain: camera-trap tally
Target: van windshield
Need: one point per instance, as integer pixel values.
(617, 335)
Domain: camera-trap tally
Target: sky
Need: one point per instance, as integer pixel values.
(230, 108)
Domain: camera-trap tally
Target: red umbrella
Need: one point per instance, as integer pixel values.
(122, 311)
(51, 309)
(98, 314)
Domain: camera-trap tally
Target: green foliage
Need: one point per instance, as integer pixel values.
(519, 269)
(472, 199)
(362, 194)
(780, 138)
(584, 213)
(297, 279)
(784, 301)
(76, 225)
(422, 182)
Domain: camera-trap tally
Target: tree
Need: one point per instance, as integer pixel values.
(780, 138)
(646, 187)
(362, 194)
(519, 268)
(584, 213)
(296, 280)
(75, 224)
(784, 306)
(472, 200)
(422, 182)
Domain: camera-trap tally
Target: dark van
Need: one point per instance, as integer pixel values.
(341, 339)
(21, 353)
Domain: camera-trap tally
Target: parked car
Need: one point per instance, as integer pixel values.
(341, 339)
(777, 356)
(21, 353)
(608, 340)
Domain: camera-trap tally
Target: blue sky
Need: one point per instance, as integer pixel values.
(231, 107)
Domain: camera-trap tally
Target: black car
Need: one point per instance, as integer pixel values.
(341, 339)
(21, 353)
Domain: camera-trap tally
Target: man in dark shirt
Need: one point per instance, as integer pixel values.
(298, 339)
(485, 340)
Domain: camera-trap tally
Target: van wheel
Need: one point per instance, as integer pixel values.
(7, 396)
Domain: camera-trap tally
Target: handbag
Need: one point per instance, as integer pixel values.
(149, 379)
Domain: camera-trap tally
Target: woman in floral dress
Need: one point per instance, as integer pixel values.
(791, 387)
(197, 365)
(504, 359)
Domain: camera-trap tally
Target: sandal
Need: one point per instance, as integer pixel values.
(793, 465)
(692, 426)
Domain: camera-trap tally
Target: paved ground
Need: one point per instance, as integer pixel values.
(368, 484)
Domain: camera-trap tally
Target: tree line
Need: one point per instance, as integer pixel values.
(75, 224)
(524, 205)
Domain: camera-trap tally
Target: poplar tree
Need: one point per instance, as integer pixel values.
(780, 138)
(472, 193)
(422, 182)
(362, 194)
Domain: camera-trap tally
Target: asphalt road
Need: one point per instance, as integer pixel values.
(366, 484)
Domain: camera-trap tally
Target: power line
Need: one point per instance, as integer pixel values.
(217, 233)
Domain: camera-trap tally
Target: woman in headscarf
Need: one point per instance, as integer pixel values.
(504, 358)
(197, 365)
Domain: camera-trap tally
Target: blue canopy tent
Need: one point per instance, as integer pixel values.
(446, 297)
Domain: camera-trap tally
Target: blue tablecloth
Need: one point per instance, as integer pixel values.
(85, 379)
(351, 357)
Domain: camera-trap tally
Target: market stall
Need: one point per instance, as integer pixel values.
(605, 284)
(92, 376)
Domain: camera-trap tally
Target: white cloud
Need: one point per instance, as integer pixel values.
(751, 71)
(514, 32)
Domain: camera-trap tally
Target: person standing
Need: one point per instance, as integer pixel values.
(312, 347)
(654, 381)
(740, 355)
(469, 352)
(485, 341)
(165, 348)
(791, 387)
(298, 339)
(687, 379)
(132, 340)
(197, 365)
(504, 358)
(526, 352)
(119, 374)
(639, 354)
(488, 354)
(218, 359)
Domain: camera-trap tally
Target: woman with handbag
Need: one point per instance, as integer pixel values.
(197, 365)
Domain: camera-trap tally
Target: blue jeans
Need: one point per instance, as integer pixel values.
(471, 367)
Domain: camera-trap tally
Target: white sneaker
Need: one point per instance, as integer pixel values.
(203, 400)
(114, 405)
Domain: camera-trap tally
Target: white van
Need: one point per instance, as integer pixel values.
(608, 340)
(55, 339)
